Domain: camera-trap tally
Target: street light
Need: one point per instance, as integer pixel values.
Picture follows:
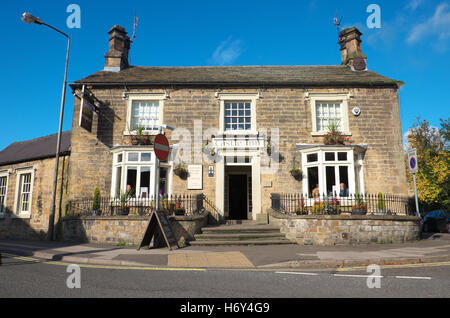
(29, 18)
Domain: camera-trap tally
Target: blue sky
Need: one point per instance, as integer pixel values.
(412, 45)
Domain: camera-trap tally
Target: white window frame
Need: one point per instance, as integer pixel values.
(340, 98)
(153, 97)
(125, 163)
(322, 164)
(238, 97)
(19, 173)
(4, 173)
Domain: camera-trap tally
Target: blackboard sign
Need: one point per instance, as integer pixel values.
(159, 224)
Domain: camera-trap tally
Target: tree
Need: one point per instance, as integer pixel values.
(433, 156)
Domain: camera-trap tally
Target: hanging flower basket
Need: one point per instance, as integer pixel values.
(180, 171)
(297, 173)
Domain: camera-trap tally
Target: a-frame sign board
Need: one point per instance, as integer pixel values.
(158, 220)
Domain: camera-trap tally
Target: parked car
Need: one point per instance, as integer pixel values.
(436, 221)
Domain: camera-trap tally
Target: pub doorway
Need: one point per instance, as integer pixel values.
(238, 194)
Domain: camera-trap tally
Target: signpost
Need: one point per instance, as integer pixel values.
(158, 220)
(161, 147)
(413, 168)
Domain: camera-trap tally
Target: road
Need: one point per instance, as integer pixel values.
(27, 277)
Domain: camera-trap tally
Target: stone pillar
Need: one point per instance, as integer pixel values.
(256, 186)
(220, 186)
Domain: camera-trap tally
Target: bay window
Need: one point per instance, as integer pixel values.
(326, 168)
(134, 171)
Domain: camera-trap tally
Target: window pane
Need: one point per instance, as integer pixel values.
(24, 195)
(331, 179)
(145, 114)
(326, 113)
(131, 181)
(2, 193)
(311, 157)
(118, 181)
(239, 116)
(133, 156)
(119, 158)
(313, 180)
(343, 175)
(145, 182)
(342, 156)
(146, 156)
(163, 181)
(329, 156)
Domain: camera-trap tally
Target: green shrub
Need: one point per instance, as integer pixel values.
(96, 205)
(380, 204)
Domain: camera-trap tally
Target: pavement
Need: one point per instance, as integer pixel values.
(432, 248)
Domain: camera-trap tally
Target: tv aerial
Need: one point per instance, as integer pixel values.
(337, 23)
(134, 27)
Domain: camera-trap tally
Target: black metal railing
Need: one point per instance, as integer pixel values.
(355, 204)
(177, 204)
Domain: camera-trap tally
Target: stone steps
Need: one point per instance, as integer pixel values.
(247, 242)
(247, 233)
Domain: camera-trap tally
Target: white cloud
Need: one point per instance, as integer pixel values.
(413, 4)
(438, 25)
(227, 52)
(405, 141)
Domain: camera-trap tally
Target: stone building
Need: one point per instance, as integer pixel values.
(26, 186)
(239, 130)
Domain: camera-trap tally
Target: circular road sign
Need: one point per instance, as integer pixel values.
(161, 147)
(412, 162)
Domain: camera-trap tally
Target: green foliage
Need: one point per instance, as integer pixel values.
(334, 136)
(96, 205)
(380, 203)
(318, 208)
(433, 156)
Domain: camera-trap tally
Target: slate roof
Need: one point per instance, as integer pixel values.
(240, 75)
(34, 149)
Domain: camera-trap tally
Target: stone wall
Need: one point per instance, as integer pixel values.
(36, 225)
(126, 229)
(340, 230)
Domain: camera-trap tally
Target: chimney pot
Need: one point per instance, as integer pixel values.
(116, 59)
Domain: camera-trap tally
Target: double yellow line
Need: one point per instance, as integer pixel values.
(35, 260)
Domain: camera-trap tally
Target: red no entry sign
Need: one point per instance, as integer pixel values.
(161, 147)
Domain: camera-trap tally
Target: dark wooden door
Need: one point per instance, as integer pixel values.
(237, 197)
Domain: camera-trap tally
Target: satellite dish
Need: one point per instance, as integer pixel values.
(356, 111)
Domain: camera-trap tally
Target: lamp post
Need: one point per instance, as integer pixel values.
(29, 18)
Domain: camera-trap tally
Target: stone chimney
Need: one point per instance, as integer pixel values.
(350, 41)
(116, 58)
